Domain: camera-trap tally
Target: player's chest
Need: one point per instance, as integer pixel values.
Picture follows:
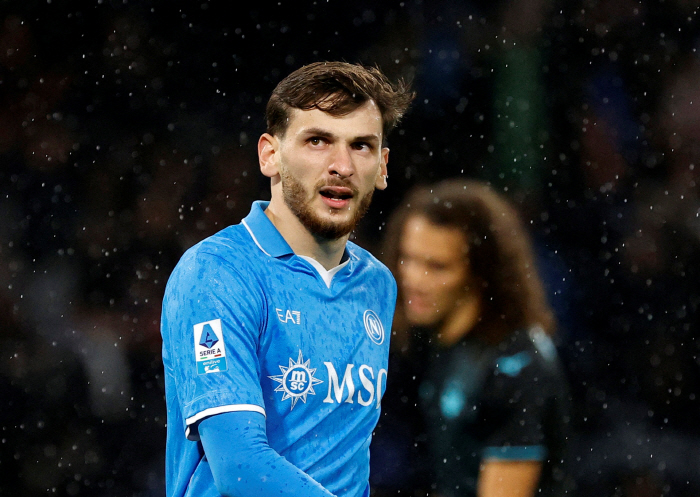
(321, 350)
(452, 389)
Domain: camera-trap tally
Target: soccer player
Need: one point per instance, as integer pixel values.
(276, 330)
(492, 393)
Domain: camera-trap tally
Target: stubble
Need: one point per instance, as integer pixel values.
(299, 201)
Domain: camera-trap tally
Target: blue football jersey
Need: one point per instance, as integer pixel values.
(247, 325)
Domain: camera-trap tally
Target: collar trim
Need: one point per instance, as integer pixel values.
(265, 235)
(252, 235)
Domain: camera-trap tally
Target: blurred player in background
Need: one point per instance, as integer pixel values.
(276, 330)
(473, 333)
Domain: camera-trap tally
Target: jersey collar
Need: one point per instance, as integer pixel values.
(266, 236)
(264, 233)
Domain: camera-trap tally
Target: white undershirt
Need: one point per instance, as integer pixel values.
(327, 275)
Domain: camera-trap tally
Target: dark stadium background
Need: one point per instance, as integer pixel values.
(128, 132)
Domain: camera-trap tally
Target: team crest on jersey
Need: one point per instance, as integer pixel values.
(209, 348)
(296, 381)
(374, 327)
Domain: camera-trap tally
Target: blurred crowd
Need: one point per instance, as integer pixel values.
(128, 132)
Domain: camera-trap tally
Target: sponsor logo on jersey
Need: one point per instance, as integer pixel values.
(373, 326)
(452, 400)
(209, 348)
(514, 364)
(296, 381)
(288, 316)
(372, 386)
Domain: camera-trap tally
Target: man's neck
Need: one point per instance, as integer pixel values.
(328, 253)
(461, 321)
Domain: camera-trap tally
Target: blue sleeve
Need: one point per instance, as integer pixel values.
(242, 462)
(211, 322)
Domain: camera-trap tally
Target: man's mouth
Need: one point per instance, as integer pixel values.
(336, 197)
(417, 301)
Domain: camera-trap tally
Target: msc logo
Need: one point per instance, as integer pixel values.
(299, 380)
(336, 388)
(374, 327)
(296, 381)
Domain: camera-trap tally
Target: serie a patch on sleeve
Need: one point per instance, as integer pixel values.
(209, 347)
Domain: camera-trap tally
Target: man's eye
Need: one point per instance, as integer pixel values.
(362, 146)
(437, 266)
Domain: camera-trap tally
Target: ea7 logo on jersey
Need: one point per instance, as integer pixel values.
(209, 348)
(296, 381)
(286, 317)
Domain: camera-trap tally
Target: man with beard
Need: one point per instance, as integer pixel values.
(276, 330)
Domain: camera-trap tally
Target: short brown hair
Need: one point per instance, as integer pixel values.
(337, 88)
(500, 252)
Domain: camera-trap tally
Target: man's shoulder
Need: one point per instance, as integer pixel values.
(526, 354)
(229, 244)
(231, 247)
(367, 260)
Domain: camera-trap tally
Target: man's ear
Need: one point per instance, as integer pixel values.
(381, 182)
(268, 154)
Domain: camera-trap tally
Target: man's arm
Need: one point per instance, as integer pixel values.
(243, 463)
(508, 478)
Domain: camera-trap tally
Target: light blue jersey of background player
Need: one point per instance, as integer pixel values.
(249, 326)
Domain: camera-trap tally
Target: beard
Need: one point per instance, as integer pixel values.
(298, 199)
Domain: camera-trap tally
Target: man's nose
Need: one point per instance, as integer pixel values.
(342, 164)
(413, 275)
